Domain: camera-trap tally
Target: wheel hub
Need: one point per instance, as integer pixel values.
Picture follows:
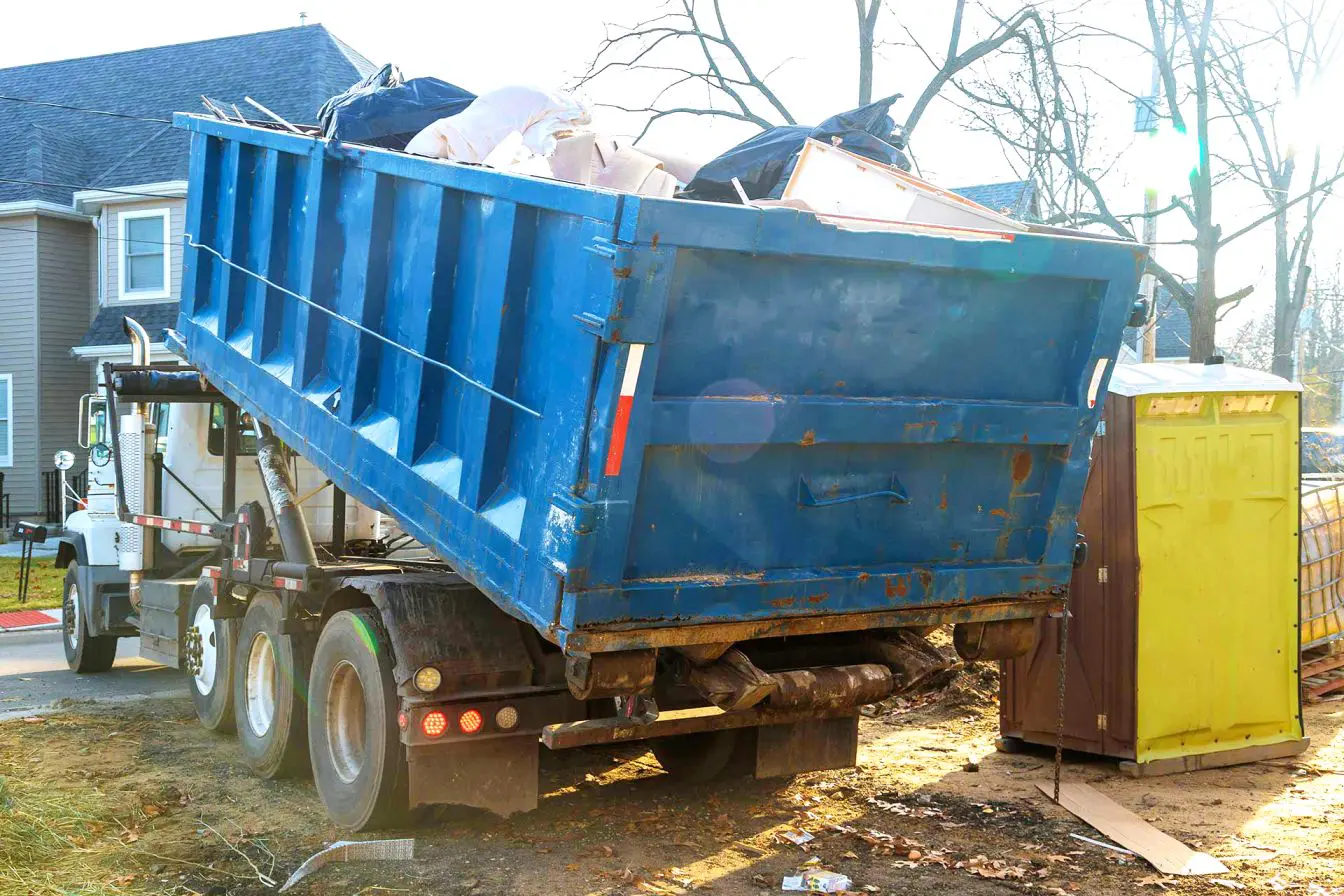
(70, 616)
(261, 685)
(345, 722)
(201, 650)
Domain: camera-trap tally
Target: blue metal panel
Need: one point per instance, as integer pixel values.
(824, 422)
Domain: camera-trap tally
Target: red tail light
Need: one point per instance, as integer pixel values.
(434, 724)
(470, 721)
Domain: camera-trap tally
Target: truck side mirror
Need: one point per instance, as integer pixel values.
(1138, 313)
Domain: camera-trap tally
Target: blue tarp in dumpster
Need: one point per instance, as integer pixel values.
(383, 110)
(763, 164)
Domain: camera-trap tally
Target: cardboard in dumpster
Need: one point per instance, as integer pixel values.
(632, 171)
(834, 182)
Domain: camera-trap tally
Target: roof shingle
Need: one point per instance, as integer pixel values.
(1014, 198)
(292, 71)
(106, 328)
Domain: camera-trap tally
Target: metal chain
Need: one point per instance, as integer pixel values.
(1060, 676)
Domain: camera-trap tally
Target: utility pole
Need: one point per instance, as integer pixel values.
(1145, 122)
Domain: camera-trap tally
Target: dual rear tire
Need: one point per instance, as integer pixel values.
(270, 672)
(358, 764)
(331, 709)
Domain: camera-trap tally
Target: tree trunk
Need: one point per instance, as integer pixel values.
(1205, 319)
(1285, 315)
(867, 28)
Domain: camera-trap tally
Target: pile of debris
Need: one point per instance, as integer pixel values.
(847, 170)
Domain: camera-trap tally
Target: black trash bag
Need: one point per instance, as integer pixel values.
(382, 110)
(763, 164)
(387, 76)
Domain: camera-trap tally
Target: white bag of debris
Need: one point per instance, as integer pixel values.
(471, 135)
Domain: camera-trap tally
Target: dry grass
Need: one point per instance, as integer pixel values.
(57, 841)
(44, 589)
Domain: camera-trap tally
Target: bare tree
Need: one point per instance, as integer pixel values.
(1318, 348)
(698, 67)
(1304, 43)
(1040, 115)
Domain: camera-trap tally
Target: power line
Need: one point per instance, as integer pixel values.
(46, 183)
(336, 315)
(109, 114)
(111, 239)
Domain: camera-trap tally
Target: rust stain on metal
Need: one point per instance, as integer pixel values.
(925, 578)
(839, 384)
(999, 512)
(921, 424)
(818, 598)
(809, 438)
(622, 273)
(898, 586)
(1021, 466)
(654, 242)
(781, 603)
(863, 577)
(942, 500)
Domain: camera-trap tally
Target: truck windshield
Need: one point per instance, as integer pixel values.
(247, 438)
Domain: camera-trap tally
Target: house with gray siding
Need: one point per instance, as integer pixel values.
(92, 211)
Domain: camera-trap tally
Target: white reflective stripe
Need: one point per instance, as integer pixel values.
(632, 363)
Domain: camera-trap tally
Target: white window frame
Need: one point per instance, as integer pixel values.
(7, 448)
(144, 295)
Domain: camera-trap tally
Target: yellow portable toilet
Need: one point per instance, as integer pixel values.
(1183, 642)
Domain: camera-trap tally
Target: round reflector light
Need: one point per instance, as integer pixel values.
(427, 679)
(470, 721)
(402, 721)
(434, 724)
(506, 718)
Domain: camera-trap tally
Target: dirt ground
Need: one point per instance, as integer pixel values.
(141, 800)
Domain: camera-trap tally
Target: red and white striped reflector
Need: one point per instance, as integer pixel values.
(163, 522)
(620, 428)
(288, 584)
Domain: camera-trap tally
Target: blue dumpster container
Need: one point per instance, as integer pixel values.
(636, 422)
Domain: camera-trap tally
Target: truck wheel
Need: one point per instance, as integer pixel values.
(211, 682)
(269, 681)
(358, 762)
(696, 758)
(84, 653)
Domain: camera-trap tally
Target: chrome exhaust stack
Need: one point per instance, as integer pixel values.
(135, 431)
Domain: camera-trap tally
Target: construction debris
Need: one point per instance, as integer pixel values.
(1165, 853)
(354, 851)
(816, 880)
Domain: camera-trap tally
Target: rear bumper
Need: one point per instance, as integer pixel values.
(632, 636)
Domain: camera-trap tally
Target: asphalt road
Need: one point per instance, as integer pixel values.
(33, 675)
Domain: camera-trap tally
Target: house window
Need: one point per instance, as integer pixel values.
(143, 254)
(6, 420)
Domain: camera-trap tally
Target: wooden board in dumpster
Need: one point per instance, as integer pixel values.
(633, 421)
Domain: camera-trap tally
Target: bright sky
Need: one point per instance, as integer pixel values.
(486, 45)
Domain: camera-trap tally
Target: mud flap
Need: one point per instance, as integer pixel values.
(807, 746)
(499, 775)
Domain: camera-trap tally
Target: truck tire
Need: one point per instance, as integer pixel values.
(84, 653)
(212, 685)
(359, 766)
(697, 758)
(270, 671)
